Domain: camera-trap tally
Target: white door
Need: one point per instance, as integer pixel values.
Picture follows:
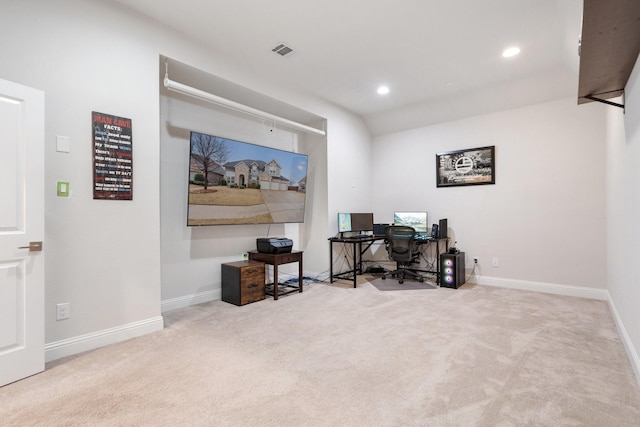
(21, 231)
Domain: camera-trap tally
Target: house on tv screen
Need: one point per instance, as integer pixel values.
(255, 174)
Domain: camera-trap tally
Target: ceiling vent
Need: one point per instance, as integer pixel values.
(283, 49)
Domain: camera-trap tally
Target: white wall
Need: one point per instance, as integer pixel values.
(543, 219)
(104, 257)
(192, 256)
(350, 169)
(623, 204)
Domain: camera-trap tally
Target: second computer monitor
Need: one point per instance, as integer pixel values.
(361, 221)
(417, 220)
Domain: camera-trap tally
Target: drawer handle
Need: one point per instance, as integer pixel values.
(253, 285)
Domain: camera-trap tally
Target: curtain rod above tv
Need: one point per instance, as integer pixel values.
(206, 96)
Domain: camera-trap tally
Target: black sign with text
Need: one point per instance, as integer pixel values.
(112, 157)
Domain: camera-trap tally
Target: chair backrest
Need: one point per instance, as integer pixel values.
(400, 242)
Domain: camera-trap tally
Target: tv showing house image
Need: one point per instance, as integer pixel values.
(235, 182)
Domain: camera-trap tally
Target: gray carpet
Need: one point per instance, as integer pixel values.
(335, 355)
(392, 284)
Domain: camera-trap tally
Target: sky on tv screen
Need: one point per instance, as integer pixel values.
(294, 165)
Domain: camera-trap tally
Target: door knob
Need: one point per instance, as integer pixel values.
(33, 246)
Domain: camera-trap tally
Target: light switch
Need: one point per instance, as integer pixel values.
(63, 188)
(62, 144)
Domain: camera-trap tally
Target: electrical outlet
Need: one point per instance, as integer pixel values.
(63, 311)
(245, 255)
(494, 262)
(475, 260)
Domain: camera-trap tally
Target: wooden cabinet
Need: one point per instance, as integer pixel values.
(243, 282)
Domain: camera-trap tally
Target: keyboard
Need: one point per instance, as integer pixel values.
(358, 237)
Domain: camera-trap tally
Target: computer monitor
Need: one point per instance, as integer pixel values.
(361, 221)
(344, 222)
(417, 220)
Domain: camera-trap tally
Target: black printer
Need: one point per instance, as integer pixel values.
(274, 245)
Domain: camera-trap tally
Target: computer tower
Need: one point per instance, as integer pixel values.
(442, 229)
(452, 270)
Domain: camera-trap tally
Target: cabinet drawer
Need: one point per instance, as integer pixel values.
(252, 293)
(285, 259)
(252, 281)
(243, 282)
(253, 270)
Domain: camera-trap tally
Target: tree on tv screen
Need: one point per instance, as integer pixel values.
(208, 152)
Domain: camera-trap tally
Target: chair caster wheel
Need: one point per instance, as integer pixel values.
(401, 281)
(421, 280)
(383, 277)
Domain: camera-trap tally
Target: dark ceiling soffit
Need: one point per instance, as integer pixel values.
(610, 44)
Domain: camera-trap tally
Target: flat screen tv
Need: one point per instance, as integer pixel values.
(235, 182)
(417, 220)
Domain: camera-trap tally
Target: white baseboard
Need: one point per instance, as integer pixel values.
(549, 288)
(87, 342)
(186, 301)
(216, 294)
(626, 340)
(574, 291)
(82, 343)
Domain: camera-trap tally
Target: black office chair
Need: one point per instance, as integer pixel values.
(402, 249)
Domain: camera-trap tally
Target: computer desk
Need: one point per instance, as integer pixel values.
(357, 253)
(425, 243)
(360, 246)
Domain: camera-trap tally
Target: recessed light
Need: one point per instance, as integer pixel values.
(512, 51)
(383, 90)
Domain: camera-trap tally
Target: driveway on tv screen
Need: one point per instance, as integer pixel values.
(282, 206)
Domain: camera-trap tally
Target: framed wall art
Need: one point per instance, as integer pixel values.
(472, 166)
(112, 157)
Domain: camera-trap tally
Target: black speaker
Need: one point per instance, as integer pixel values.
(442, 229)
(452, 270)
(434, 231)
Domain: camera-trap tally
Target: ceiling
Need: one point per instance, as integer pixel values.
(441, 59)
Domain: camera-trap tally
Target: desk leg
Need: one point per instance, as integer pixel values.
(438, 262)
(355, 264)
(330, 262)
(300, 275)
(275, 281)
